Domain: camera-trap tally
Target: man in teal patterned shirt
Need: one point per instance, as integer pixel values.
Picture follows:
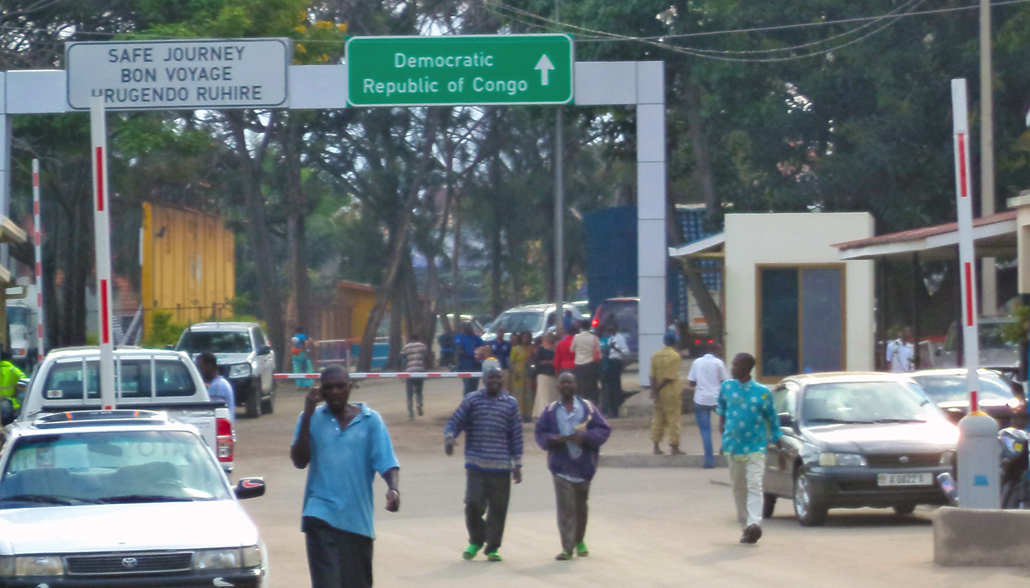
(748, 420)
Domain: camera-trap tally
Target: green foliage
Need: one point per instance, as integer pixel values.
(1018, 331)
(163, 332)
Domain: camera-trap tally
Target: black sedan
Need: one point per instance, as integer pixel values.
(853, 440)
(998, 396)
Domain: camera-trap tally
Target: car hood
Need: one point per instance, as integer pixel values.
(125, 527)
(1003, 358)
(885, 438)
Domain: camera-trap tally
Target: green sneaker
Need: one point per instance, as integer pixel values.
(564, 556)
(494, 556)
(470, 551)
(581, 549)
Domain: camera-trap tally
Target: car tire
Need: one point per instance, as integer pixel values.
(768, 505)
(268, 404)
(808, 508)
(904, 509)
(253, 402)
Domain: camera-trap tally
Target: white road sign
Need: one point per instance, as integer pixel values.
(187, 74)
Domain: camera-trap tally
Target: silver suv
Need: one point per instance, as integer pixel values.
(245, 358)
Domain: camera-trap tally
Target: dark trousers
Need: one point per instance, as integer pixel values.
(572, 511)
(337, 558)
(414, 387)
(486, 492)
(586, 381)
(611, 387)
(470, 385)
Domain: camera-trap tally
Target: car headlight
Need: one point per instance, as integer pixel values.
(217, 559)
(31, 565)
(948, 458)
(841, 460)
(251, 556)
(241, 370)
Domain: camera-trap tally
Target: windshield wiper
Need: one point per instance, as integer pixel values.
(143, 498)
(888, 421)
(828, 420)
(48, 499)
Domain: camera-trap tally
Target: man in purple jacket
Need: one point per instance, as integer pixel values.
(572, 431)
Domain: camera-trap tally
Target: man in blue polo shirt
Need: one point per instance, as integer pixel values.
(345, 445)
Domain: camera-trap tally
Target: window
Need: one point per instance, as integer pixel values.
(132, 376)
(801, 320)
(215, 342)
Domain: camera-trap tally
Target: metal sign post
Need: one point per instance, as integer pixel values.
(102, 235)
(978, 459)
(37, 228)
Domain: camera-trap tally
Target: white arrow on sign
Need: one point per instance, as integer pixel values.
(545, 66)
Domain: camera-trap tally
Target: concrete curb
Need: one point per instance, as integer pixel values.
(981, 537)
(639, 460)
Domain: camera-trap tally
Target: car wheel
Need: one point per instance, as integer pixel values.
(268, 404)
(807, 507)
(253, 403)
(904, 509)
(768, 505)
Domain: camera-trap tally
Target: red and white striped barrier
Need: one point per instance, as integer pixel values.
(386, 375)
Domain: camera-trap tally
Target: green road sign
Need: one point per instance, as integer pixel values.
(461, 70)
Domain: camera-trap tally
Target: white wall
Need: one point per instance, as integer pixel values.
(797, 238)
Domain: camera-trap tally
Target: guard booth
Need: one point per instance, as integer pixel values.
(9, 233)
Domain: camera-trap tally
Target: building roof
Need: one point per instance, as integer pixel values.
(993, 235)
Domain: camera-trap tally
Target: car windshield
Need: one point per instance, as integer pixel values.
(867, 402)
(111, 467)
(953, 388)
(215, 342)
(17, 315)
(623, 314)
(517, 322)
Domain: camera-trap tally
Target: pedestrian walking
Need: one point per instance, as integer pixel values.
(613, 349)
(519, 363)
(572, 431)
(586, 349)
(546, 385)
(748, 421)
(446, 343)
(564, 359)
(706, 376)
(901, 352)
(416, 355)
(300, 352)
(342, 445)
(218, 388)
(493, 458)
(465, 345)
(667, 396)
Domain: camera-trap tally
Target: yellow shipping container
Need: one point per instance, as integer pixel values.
(189, 265)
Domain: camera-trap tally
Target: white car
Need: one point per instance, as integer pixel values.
(245, 358)
(535, 318)
(122, 498)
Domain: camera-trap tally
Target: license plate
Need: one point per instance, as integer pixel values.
(923, 479)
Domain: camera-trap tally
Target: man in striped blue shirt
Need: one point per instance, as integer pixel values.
(493, 457)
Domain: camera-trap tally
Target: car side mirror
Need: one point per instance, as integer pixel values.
(249, 488)
(786, 421)
(266, 350)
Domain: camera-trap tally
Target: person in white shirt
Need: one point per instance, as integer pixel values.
(613, 349)
(706, 376)
(901, 352)
(587, 350)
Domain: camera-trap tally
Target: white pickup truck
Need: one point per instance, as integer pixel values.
(145, 379)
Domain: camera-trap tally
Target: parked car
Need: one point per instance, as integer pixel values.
(145, 379)
(245, 358)
(997, 395)
(853, 440)
(995, 352)
(122, 498)
(624, 313)
(535, 318)
(477, 328)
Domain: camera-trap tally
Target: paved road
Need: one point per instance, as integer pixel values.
(648, 527)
